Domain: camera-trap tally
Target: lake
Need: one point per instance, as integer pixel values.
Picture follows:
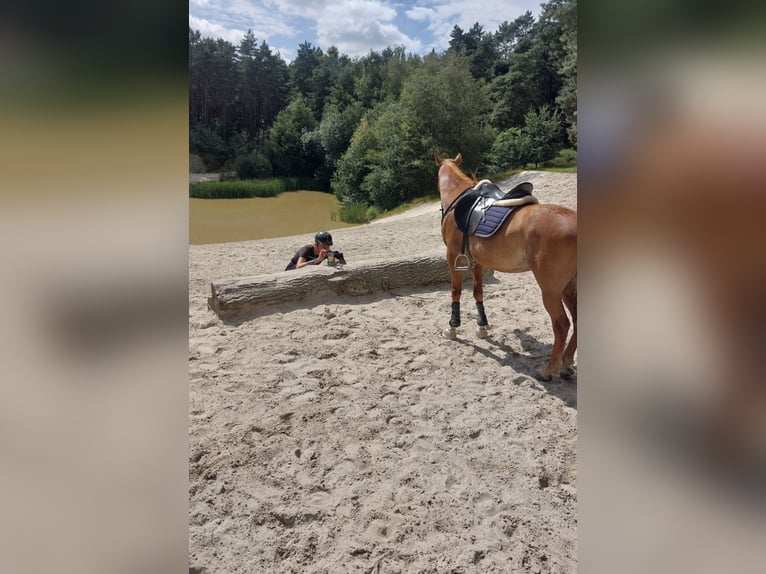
(291, 213)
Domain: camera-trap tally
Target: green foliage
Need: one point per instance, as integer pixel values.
(196, 165)
(352, 167)
(207, 144)
(307, 60)
(537, 142)
(368, 127)
(372, 213)
(566, 157)
(242, 189)
(560, 16)
(255, 165)
(390, 157)
(353, 212)
(374, 170)
(292, 154)
(541, 136)
(448, 110)
(506, 151)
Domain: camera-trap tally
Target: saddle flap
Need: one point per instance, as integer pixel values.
(463, 209)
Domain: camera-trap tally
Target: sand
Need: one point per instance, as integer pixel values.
(349, 436)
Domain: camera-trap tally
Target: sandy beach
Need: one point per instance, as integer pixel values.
(347, 435)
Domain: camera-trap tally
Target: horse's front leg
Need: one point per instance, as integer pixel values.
(478, 296)
(456, 281)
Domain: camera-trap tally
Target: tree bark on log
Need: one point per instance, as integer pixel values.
(245, 296)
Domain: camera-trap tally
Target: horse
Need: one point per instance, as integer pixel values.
(541, 238)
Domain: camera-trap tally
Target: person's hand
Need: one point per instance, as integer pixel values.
(322, 256)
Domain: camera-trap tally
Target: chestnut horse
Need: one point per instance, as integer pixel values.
(541, 238)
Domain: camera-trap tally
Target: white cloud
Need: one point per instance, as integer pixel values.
(215, 30)
(442, 16)
(358, 26)
(354, 26)
(420, 13)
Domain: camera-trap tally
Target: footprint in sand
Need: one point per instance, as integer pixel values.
(340, 472)
(206, 349)
(377, 530)
(486, 506)
(450, 483)
(319, 500)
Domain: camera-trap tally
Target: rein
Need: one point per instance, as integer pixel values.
(451, 206)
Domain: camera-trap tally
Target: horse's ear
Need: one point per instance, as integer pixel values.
(437, 158)
(458, 158)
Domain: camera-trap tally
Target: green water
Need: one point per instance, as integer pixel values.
(292, 213)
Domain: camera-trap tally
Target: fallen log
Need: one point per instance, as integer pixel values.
(247, 295)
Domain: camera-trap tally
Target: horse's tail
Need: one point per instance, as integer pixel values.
(569, 296)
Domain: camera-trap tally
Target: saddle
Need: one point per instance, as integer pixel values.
(482, 210)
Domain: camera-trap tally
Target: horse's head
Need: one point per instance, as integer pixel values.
(452, 181)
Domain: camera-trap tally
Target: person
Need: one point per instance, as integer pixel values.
(315, 254)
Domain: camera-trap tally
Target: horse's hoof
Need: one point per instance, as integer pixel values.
(481, 332)
(567, 373)
(450, 333)
(543, 376)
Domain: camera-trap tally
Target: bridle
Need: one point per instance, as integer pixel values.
(451, 206)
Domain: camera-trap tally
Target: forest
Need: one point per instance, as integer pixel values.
(366, 128)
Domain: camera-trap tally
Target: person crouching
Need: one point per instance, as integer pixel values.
(315, 254)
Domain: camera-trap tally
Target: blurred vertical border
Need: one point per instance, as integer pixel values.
(672, 268)
(93, 249)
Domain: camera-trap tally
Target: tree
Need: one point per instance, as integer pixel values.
(566, 15)
(289, 154)
(533, 64)
(506, 151)
(354, 166)
(213, 81)
(307, 59)
(540, 137)
(377, 169)
(333, 136)
(250, 111)
(513, 37)
(448, 109)
(484, 58)
(369, 79)
(558, 32)
(457, 41)
(390, 158)
(272, 89)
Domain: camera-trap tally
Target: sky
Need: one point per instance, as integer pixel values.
(353, 26)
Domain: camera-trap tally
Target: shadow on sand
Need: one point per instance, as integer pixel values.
(528, 363)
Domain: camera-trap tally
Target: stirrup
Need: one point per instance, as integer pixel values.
(466, 266)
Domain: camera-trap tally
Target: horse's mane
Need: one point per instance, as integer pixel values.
(456, 168)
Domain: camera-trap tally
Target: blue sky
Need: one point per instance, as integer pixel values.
(354, 26)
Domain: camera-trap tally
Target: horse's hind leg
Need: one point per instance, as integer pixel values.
(570, 300)
(478, 295)
(560, 321)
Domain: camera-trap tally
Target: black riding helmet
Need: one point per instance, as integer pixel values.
(324, 238)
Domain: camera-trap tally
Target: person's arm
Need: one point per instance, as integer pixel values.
(302, 261)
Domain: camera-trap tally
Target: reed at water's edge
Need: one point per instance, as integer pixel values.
(249, 188)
